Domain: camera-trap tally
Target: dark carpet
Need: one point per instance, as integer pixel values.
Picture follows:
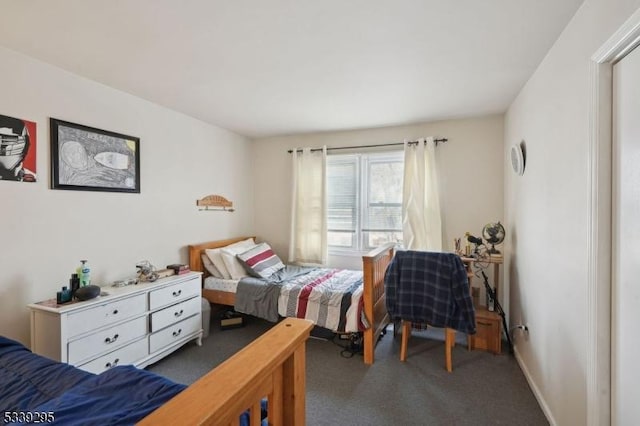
(484, 389)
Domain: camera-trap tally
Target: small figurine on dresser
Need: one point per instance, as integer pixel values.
(146, 271)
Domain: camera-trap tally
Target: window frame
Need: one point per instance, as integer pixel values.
(363, 163)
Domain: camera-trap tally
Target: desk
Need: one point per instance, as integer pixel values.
(488, 335)
(496, 261)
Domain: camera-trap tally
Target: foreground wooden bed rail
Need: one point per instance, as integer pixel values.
(273, 365)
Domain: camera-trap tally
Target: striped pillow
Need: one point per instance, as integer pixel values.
(260, 261)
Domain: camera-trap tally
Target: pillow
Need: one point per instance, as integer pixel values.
(216, 256)
(261, 261)
(233, 265)
(231, 262)
(210, 267)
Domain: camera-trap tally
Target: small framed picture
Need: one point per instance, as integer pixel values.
(84, 158)
(17, 149)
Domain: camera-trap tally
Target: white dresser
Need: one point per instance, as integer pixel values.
(137, 324)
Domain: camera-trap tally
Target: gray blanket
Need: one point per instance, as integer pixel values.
(259, 296)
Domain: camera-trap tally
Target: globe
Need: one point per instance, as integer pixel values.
(493, 233)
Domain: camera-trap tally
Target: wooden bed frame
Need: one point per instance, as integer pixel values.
(272, 366)
(374, 265)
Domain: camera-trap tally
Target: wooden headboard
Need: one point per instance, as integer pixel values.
(195, 252)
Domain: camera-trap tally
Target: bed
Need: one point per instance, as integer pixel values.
(372, 304)
(36, 389)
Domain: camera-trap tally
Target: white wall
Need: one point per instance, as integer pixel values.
(46, 232)
(547, 209)
(471, 165)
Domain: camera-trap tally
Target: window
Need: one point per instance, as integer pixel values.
(364, 197)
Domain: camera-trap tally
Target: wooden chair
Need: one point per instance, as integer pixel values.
(430, 288)
(449, 343)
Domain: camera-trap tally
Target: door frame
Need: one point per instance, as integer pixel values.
(600, 219)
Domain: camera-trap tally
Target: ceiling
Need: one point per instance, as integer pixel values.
(275, 67)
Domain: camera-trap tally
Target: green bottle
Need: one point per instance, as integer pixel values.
(84, 273)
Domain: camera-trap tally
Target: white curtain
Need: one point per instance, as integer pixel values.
(421, 219)
(308, 243)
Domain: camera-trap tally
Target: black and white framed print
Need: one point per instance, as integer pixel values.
(88, 159)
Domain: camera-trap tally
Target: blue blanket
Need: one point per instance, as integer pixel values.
(122, 395)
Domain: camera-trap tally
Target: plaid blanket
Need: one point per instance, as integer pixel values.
(430, 287)
(331, 298)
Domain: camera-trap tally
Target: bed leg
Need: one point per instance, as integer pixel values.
(369, 346)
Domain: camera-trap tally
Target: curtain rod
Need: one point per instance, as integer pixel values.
(441, 140)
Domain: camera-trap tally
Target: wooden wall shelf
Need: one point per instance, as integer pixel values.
(215, 203)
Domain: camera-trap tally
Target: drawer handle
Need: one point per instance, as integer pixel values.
(115, 312)
(177, 293)
(109, 340)
(178, 314)
(484, 323)
(177, 333)
(115, 362)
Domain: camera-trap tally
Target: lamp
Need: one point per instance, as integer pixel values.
(473, 240)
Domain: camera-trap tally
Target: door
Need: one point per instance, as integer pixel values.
(625, 308)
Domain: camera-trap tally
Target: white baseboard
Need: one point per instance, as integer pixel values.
(534, 388)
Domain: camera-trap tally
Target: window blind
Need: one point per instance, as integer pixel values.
(342, 194)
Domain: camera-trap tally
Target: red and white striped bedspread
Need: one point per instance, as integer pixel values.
(331, 298)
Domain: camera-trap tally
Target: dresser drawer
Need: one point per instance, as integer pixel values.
(129, 354)
(105, 314)
(106, 339)
(174, 333)
(175, 313)
(174, 293)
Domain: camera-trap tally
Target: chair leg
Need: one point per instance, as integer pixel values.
(396, 327)
(449, 342)
(406, 333)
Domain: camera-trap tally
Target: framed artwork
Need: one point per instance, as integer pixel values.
(87, 159)
(17, 149)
